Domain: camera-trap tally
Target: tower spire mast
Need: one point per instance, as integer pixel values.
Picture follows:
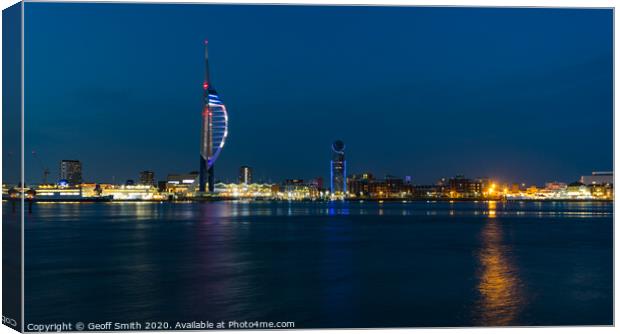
(213, 131)
(206, 178)
(207, 79)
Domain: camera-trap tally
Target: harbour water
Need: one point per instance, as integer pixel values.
(322, 265)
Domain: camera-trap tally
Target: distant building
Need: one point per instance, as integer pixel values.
(338, 169)
(245, 175)
(555, 186)
(598, 178)
(130, 182)
(296, 189)
(182, 184)
(131, 192)
(317, 182)
(147, 178)
(161, 186)
(395, 185)
(71, 170)
(427, 191)
(461, 187)
(292, 183)
(252, 190)
(358, 185)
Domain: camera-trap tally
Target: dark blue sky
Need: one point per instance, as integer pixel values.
(518, 94)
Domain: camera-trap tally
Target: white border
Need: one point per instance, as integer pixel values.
(476, 3)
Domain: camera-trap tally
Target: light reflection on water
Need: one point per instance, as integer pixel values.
(501, 295)
(478, 208)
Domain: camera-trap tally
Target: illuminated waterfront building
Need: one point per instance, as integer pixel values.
(291, 184)
(427, 191)
(317, 182)
(396, 187)
(358, 187)
(245, 175)
(378, 189)
(296, 189)
(602, 191)
(576, 188)
(131, 192)
(147, 177)
(252, 190)
(338, 169)
(214, 130)
(555, 186)
(61, 191)
(5, 190)
(52, 192)
(598, 178)
(182, 184)
(461, 187)
(71, 170)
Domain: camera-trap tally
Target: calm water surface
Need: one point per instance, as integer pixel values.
(320, 264)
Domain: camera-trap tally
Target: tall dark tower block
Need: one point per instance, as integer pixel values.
(338, 169)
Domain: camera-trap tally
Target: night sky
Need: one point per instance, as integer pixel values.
(520, 95)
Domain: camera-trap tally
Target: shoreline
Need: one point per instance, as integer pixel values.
(372, 200)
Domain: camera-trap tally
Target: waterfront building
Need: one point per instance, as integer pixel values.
(602, 191)
(531, 190)
(317, 182)
(427, 191)
(338, 169)
(395, 186)
(58, 192)
(366, 186)
(358, 186)
(161, 185)
(147, 177)
(182, 184)
(214, 130)
(5, 190)
(598, 178)
(377, 189)
(461, 187)
(71, 170)
(555, 186)
(577, 190)
(245, 175)
(131, 192)
(252, 190)
(297, 189)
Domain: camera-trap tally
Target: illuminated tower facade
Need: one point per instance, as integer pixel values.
(214, 130)
(245, 175)
(71, 171)
(338, 169)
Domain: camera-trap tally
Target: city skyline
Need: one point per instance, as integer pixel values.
(433, 113)
(245, 176)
